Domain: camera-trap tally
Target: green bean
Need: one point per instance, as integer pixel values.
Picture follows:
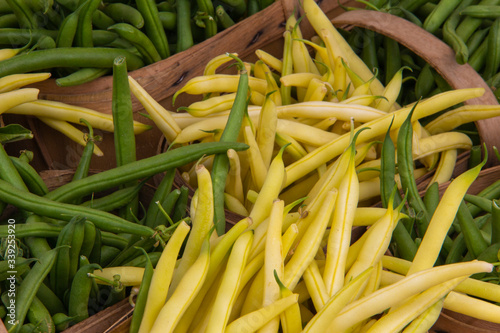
(4, 7)
(80, 292)
(180, 209)
(21, 265)
(287, 67)
(439, 14)
(477, 59)
(45, 207)
(24, 14)
(220, 164)
(66, 57)
(59, 275)
(493, 55)
(457, 250)
(132, 251)
(9, 21)
(159, 195)
(479, 201)
(69, 4)
(431, 198)
(34, 229)
(482, 11)
(184, 34)
(50, 299)
(30, 176)
(165, 6)
(142, 296)
(490, 254)
(166, 206)
(141, 260)
(31, 283)
(107, 254)
(62, 321)
(475, 242)
(121, 12)
(81, 76)
(495, 222)
(16, 37)
(138, 39)
(223, 18)
(168, 20)
(39, 316)
(114, 200)
(89, 236)
(451, 37)
(406, 172)
(207, 7)
(238, 6)
(83, 35)
(369, 50)
(412, 5)
(153, 26)
(470, 24)
(67, 30)
(252, 7)
(393, 58)
(101, 21)
(425, 82)
(8, 171)
(103, 37)
(76, 246)
(145, 167)
(124, 138)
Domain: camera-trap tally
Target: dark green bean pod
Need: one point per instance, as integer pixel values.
(495, 222)
(220, 166)
(36, 245)
(490, 254)
(181, 205)
(24, 14)
(470, 24)
(439, 15)
(457, 250)
(238, 6)
(137, 38)
(8, 171)
(114, 200)
(153, 26)
(122, 12)
(59, 275)
(412, 5)
(474, 240)
(252, 7)
(31, 283)
(184, 34)
(168, 20)
(30, 176)
(451, 37)
(161, 192)
(35, 229)
(83, 35)
(476, 39)
(67, 30)
(142, 296)
(481, 202)
(164, 216)
(142, 260)
(50, 299)
(431, 198)
(369, 50)
(206, 7)
(21, 37)
(108, 253)
(393, 58)
(9, 21)
(80, 292)
(145, 167)
(132, 252)
(62, 321)
(95, 255)
(225, 21)
(482, 11)
(46, 207)
(101, 21)
(39, 316)
(493, 56)
(81, 76)
(425, 82)
(21, 265)
(477, 60)
(76, 245)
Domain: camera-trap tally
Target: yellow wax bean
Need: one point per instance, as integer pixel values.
(184, 293)
(266, 130)
(426, 320)
(445, 167)
(462, 115)
(214, 63)
(226, 294)
(15, 98)
(404, 313)
(431, 160)
(441, 220)
(291, 317)
(292, 146)
(270, 190)
(340, 230)
(473, 307)
(287, 68)
(202, 222)
(234, 205)
(315, 285)
(309, 243)
(66, 112)
(340, 82)
(234, 185)
(16, 81)
(359, 99)
(304, 133)
(257, 167)
(441, 142)
(158, 113)
(184, 119)
(162, 276)
(300, 80)
(321, 110)
(411, 285)
(373, 282)
(269, 60)
(323, 318)
(218, 83)
(364, 216)
(70, 131)
(325, 124)
(210, 105)
(129, 276)
(377, 127)
(319, 21)
(316, 91)
(9, 53)
(391, 92)
(368, 170)
(253, 321)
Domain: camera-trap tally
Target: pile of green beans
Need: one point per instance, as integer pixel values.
(78, 40)
(475, 232)
(54, 239)
(470, 27)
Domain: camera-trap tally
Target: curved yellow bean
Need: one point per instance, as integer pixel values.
(316, 91)
(129, 276)
(445, 167)
(315, 285)
(306, 134)
(441, 142)
(300, 80)
(234, 185)
(321, 110)
(473, 307)
(391, 92)
(462, 115)
(210, 105)
(16, 81)
(266, 130)
(269, 60)
(257, 167)
(426, 320)
(214, 63)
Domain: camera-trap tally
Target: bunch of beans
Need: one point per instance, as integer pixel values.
(470, 28)
(78, 40)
